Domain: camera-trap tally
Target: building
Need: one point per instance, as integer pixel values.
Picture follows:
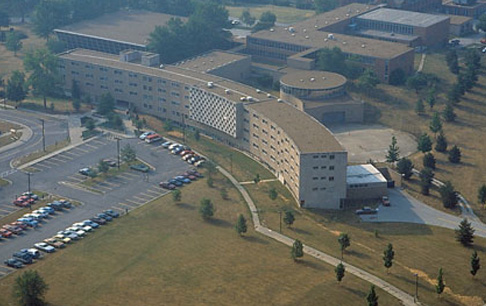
(473, 9)
(461, 25)
(300, 151)
(412, 28)
(321, 95)
(114, 32)
(415, 5)
(365, 182)
(298, 45)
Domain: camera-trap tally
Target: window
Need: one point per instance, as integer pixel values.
(255, 116)
(315, 178)
(315, 189)
(161, 90)
(331, 167)
(161, 81)
(331, 178)
(323, 167)
(331, 156)
(118, 72)
(323, 177)
(315, 156)
(315, 167)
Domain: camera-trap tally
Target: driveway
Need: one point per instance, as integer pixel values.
(407, 209)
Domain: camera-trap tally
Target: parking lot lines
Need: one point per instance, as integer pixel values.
(45, 166)
(99, 185)
(118, 208)
(99, 142)
(50, 162)
(78, 148)
(4, 210)
(129, 206)
(131, 174)
(72, 153)
(142, 198)
(91, 146)
(111, 184)
(65, 157)
(157, 193)
(136, 203)
(78, 179)
(57, 159)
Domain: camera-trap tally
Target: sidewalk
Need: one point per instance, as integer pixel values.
(402, 296)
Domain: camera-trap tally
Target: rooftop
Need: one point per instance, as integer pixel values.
(132, 26)
(210, 61)
(403, 17)
(458, 20)
(313, 79)
(387, 35)
(364, 174)
(308, 134)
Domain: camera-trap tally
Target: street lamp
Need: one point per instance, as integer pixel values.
(415, 298)
(118, 152)
(43, 135)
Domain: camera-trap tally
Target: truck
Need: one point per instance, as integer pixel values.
(385, 201)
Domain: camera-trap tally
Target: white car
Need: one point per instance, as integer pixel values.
(76, 230)
(145, 135)
(82, 227)
(44, 214)
(31, 195)
(45, 247)
(173, 146)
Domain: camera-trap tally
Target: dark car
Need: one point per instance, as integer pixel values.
(56, 205)
(65, 203)
(100, 221)
(86, 171)
(104, 216)
(14, 263)
(167, 185)
(25, 258)
(195, 173)
(189, 176)
(110, 162)
(111, 213)
(183, 179)
(140, 167)
(175, 182)
(367, 211)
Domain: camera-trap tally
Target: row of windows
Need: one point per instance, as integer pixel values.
(358, 185)
(323, 156)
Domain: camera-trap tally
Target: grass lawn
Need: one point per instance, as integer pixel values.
(61, 106)
(112, 171)
(287, 15)
(164, 253)
(5, 137)
(37, 154)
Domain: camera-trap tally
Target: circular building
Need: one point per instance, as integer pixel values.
(312, 85)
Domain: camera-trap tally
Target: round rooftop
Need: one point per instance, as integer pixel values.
(311, 79)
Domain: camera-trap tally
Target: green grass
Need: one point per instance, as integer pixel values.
(5, 128)
(164, 253)
(38, 154)
(287, 15)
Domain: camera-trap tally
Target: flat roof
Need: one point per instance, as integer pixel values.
(364, 174)
(313, 79)
(403, 17)
(308, 134)
(210, 61)
(388, 35)
(132, 26)
(458, 20)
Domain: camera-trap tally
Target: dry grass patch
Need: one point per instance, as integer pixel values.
(287, 15)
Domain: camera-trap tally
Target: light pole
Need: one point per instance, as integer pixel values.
(118, 151)
(43, 135)
(280, 217)
(28, 181)
(415, 298)
(231, 163)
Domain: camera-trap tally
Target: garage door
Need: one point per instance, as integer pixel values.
(333, 117)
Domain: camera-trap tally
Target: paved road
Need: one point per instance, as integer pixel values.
(404, 297)
(407, 209)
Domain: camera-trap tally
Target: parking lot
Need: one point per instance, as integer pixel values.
(58, 175)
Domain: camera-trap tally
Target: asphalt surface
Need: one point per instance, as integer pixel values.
(59, 176)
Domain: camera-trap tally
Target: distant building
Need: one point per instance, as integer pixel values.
(461, 25)
(365, 182)
(471, 9)
(415, 5)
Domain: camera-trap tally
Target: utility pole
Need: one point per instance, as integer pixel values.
(280, 214)
(118, 151)
(231, 163)
(28, 181)
(43, 136)
(415, 298)
(183, 129)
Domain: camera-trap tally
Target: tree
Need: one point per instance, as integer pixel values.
(431, 99)
(393, 151)
(455, 155)
(482, 194)
(472, 59)
(448, 113)
(247, 18)
(13, 43)
(331, 60)
(424, 143)
(206, 210)
(475, 263)
(372, 298)
(197, 135)
(441, 144)
(103, 166)
(75, 90)
(30, 288)
(397, 77)
(241, 227)
(48, 15)
(368, 80)
(417, 82)
(405, 167)
(210, 182)
(344, 242)
(90, 125)
(297, 250)
(419, 107)
(448, 195)
(388, 256)
(176, 195)
(325, 5)
(435, 125)
(465, 233)
(429, 161)
(76, 104)
(289, 218)
(128, 153)
(42, 66)
(440, 286)
(16, 88)
(482, 23)
(257, 179)
(455, 93)
(452, 61)
(273, 193)
(340, 271)
(56, 46)
(426, 176)
(106, 104)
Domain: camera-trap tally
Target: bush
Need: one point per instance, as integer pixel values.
(397, 77)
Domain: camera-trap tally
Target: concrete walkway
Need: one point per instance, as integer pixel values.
(402, 296)
(422, 62)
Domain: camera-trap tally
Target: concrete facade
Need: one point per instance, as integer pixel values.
(365, 182)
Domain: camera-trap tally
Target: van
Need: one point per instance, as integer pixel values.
(153, 138)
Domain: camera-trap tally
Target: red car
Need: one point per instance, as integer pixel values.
(19, 224)
(14, 229)
(24, 201)
(5, 233)
(167, 185)
(483, 40)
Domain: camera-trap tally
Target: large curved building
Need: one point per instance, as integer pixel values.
(301, 152)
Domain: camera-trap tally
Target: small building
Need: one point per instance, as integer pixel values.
(472, 9)
(461, 25)
(365, 182)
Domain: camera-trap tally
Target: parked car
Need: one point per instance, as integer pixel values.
(195, 173)
(385, 201)
(199, 163)
(33, 252)
(176, 150)
(76, 230)
(28, 221)
(153, 138)
(25, 258)
(5, 233)
(182, 179)
(68, 234)
(189, 176)
(98, 220)
(64, 203)
(110, 162)
(185, 152)
(167, 185)
(145, 135)
(19, 224)
(34, 217)
(14, 263)
(166, 144)
(14, 229)
(55, 205)
(367, 211)
(42, 213)
(175, 182)
(62, 238)
(104, 216)
(90, 223)
(483, 40)
(81, 226)
(173, 146)
(48, 210)
(86, 171)
(55, 243)
(31, 195)
(187, 157)
(111, 213)
(45, 247)
(140, 167)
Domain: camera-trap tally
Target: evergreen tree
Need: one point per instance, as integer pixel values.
(441, 144)
(419, 107)
(405, 167)
(393, 151)
(272, 193)
(431, 99)
(206, 210)
(16, 87)
(482, 194)
(30, 288)
(455, 93)
(340, 269)
(77, 104)
(176, 195)
(297, 250)
(257, 179)
(426, 176)
(452, 61)
(429, 161)
(455, 155)
(344, 242)
(103, 166)
(289, 218)
(465, 233)
(440, 286)
(128, 153)
(448, 113)
(372, 298)
(424, 143)
(435, 125)
(388, 256)
(448, 195)
(241, 227)
(106, 104)
(475, 263)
